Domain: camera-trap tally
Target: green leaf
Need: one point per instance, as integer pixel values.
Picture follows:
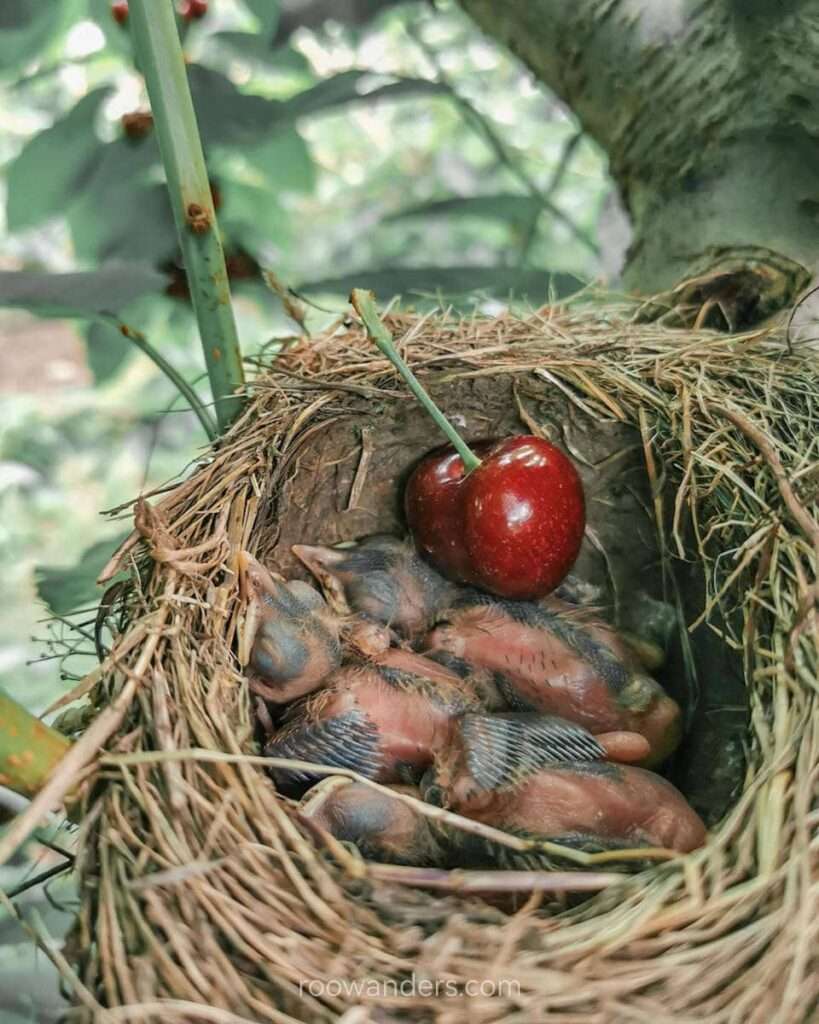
(285, 162)
(249, 45)
(225, 115)
(252, 46)
(117, 37)
(79, 294)
(54, 165)
(27, 28)
(518, 210)
(64, 588)
(230, 117)
(106, 350)
(499, 282)
(137, 228)
(254, 216)
(17, 14)
(118, 208)
(355, 87)
(267, 11)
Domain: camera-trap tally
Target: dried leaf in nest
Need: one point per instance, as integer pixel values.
(153, 527)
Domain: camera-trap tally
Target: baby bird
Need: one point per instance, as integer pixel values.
(496, 752)
(382, 578)
(593, 804)
(492, 751)
(290, 639)
(587, 802)
(381, 826)
(384, 718)
(551, 658)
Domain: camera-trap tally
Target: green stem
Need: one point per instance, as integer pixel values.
(159, 52)
(29, 749)
(173, 375)
(363, 303)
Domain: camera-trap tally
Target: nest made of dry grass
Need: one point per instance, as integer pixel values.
(205, 898)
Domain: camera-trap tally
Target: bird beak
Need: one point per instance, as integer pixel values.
(246, 633)
(254, 582)
(321, 562)
(243, 562)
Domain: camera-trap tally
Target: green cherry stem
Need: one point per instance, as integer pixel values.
(363, 302)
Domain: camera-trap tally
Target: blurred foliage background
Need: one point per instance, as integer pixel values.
(392, 146)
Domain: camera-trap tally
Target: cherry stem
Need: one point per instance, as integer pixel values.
(363, 302)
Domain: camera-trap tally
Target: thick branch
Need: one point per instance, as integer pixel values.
(704, 109)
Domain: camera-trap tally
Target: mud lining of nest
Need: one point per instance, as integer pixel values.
(206, 898)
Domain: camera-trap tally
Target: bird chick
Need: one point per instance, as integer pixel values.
(592, 804)
(553, 659)
(290, 639)
(443, 667)
(382, 578)
(382, 826)
(491, 752)
(384, 718)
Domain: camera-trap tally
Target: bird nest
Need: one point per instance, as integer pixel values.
(205, 895)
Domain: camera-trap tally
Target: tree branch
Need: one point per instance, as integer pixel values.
(29, 749)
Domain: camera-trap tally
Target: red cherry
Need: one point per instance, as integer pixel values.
(119, 11)
(432, 500)
(509, 520)
(194, 9)
(513, 526)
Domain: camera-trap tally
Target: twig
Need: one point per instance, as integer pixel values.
(477, 828)
(36, 928)
(173, 375)
(465, 882)
(553, 184)
(360, 478)
(801, 516)
(363, 302)
(39, 879)
(496, 143)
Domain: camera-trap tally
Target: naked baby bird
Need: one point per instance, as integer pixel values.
(382, 578)
(501, 777)
(290, 639)
(554, 659)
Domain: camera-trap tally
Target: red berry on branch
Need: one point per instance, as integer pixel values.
(137, 124)
(192, 10)
(240, 265)
(119, 11)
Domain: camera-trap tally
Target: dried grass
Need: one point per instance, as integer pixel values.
(205, 898)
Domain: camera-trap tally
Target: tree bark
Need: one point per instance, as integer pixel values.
(707, 109)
